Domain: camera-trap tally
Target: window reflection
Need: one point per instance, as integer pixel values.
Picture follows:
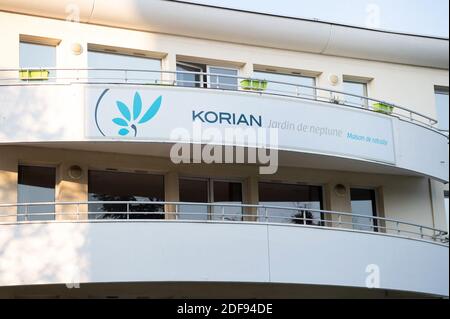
(222, 82)
(120, 186)
(102, 60)
(36, 184)
(208, 191)
(291, 196)
(363, 203)
(442, 106)
(32, 55)
(279, 88)
(356, 88)
(190, 79)
(227, 193)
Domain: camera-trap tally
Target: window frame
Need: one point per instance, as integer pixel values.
(365, 84)
(124, 171)
(440, 90)
(55, 168)
(201, 83)
(375, 210)
(323, 216)
(210, 189)
(209, 84)
(52, 72)
(313, 77)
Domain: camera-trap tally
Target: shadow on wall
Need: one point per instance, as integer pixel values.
(8, 194)
(43, 253)
(39, 112)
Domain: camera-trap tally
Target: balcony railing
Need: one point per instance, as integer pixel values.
(116, 211)
(212, 81)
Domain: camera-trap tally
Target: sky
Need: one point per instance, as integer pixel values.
(425, 17)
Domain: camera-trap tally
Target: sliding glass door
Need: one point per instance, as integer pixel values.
(36, 184)
(120, 186)
(363, 204)
(298, 198)
(226, 193)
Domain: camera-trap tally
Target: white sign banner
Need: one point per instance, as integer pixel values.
(153, 113)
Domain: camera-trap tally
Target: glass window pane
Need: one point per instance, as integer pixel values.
(119, 186)
(227, 193)
(357, 89)
(446, 205)
(286, 89)
(36, 184)
(37, 56)
(442, 105)
(102, 60)
(222, 82)
(291, 196)
(193, 191)
(363, 203)
(187, 79)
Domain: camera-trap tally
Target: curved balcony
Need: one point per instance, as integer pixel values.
(325, 124)
(57, 243)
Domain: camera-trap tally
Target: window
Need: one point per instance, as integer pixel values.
(277, 88)
(36, 184)
(190, 79)
(446, 207)
(121, 186)
(40, 56)
(227, 193)
(292, 196)
(356, 88)
(106, 60)
(220, 81)
(193, 191)
(210, 191)
(218, 78)
(363, 203)
(442, 104)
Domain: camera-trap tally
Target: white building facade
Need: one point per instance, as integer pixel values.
(120, 174)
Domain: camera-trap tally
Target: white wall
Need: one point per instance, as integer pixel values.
(51, 253)
(410, 86)
(51, 113)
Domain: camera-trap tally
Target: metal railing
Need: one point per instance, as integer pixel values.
(213, 81)
(214, 212)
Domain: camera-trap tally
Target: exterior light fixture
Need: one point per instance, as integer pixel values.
(340, 190)
(75, 172)
(334, 79)
(76, 48)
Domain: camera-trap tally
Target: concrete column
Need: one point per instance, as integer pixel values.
(68, 57)
(8, 183)
(10, 51)
(247, 70)
(250, 197)
(337, 202)
(168, 63)
(172, 193)
(325, 80)
(71, 186)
